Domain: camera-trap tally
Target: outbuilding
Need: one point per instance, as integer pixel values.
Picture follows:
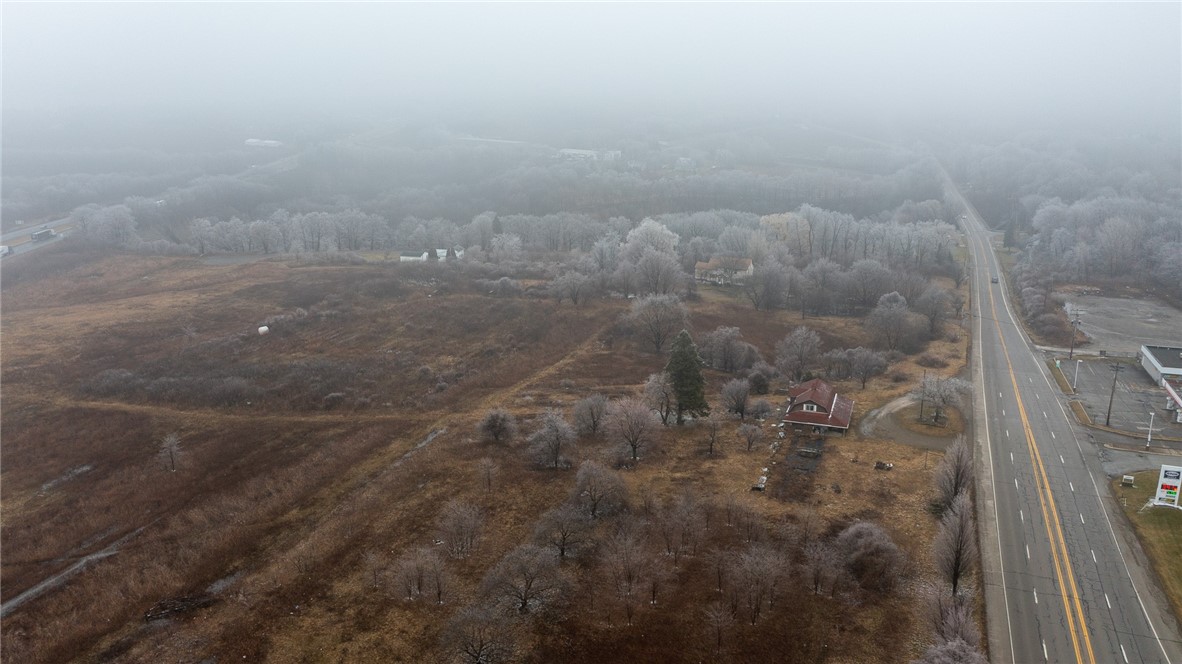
(1162, 362)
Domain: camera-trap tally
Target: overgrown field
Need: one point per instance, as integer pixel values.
(310, 508)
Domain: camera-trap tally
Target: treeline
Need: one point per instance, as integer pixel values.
(1085, 210)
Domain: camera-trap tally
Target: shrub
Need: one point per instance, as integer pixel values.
(929, 361)
(870, 556)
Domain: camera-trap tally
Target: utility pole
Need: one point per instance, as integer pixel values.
(1115, 372)
(923, 392)
(1074, 313)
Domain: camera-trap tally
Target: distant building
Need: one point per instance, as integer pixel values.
(262, 143)
(724, 270)
(421, 256)
(816, 404)
(1162, 362)
(577, 154)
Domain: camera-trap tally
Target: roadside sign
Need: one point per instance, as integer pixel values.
(1167, 486)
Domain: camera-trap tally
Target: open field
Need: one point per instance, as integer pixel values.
(1158, 528)
(314, 458)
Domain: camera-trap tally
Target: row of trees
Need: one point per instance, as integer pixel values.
(1087, 207)
(955, 554)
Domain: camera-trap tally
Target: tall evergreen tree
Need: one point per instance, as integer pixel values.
(685, 372)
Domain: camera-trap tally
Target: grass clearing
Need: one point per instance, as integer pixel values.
(1159, 530)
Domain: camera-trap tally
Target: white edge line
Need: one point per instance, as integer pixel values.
(989, 455)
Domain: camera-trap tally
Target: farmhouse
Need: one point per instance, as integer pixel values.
(815, 403)
(724, 270)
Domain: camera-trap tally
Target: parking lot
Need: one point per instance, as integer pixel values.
(1122, 324)
(1135, 397)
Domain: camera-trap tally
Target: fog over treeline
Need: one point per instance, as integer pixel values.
(405, 127)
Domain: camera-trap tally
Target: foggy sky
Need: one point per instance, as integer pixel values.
(1097, 64)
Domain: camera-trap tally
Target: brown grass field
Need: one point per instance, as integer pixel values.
(307, 467)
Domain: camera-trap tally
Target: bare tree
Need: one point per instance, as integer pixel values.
(658, 272)
(823, 566)
(170, 450)
(724, 349)
(589, 414)
(760, 409)
(721, 564)
(952, 652)
(871, 557)
(476, 635)
(712, 426)
(627, 564)
(657, 318)
(599, 491)
(375, 564)
(866, 363)
(718, 618)
(552, 441)
(734, 396)
(460, 525)
(955, 546)
(768, 287)
(933, 305)
(659, 393)
(890, 321)
(940, 393)
(631, 422)
(573, 286)
(760, 570)
(421, 573)
(566, 528)
(497, 426)
(487, 469)
(951, 616)
(527, 579)
(796, 352)
(750, 434)
(954, 474)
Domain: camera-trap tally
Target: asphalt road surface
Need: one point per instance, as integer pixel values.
(1060, 585)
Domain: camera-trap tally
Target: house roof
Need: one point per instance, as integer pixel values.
(840, 409)
(1166, 356)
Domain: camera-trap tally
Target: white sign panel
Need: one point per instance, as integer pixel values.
(1167, 486)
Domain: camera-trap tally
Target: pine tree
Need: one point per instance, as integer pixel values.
(685, 372)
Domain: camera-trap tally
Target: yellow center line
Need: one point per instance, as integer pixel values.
(1045, 498)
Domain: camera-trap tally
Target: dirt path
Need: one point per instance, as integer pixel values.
(883, 423)
(61, 577)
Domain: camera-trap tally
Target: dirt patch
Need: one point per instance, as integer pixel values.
(886, 422)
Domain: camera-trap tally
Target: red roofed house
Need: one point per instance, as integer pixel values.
(815, 403)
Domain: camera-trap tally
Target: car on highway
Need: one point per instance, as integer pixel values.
(993, 280)
(5, 250)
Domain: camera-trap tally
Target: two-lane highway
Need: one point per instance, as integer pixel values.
(1058, 585)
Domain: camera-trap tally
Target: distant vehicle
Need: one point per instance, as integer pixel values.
(43, 234)
(994, 280)
(5, 250)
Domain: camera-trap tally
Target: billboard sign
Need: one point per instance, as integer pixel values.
(1167, 486)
